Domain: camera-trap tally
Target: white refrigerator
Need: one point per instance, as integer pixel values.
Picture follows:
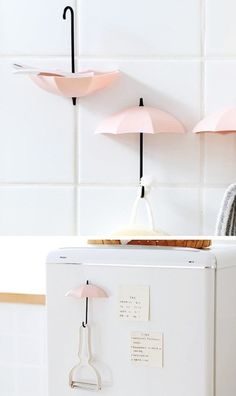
(166, 328)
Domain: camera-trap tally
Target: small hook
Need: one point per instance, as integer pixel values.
(142, 192)
(65, 11)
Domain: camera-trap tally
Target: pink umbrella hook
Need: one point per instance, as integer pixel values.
(87, 291)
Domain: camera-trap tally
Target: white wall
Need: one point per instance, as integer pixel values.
(23, 357)
(23, 262)
(178, 55)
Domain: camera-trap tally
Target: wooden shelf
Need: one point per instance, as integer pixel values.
(15, 298)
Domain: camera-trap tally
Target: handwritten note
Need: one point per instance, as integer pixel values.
(134, 302)
(147, 349)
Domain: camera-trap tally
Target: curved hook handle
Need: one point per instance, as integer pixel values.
(69, 8)
(148, 209)
(84, 345)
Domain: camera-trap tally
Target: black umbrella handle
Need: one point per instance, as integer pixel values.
(68, 8)
(84, 324)
(141, 155)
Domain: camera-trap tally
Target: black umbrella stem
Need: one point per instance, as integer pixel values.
(141, 155)
(68, 8)
(141, 165)
(84, 324)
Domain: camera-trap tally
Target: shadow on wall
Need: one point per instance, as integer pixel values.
(127, 90)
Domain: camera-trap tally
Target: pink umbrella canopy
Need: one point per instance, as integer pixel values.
(87, 291)
(141, 119)
(72, 86)
(222, 121)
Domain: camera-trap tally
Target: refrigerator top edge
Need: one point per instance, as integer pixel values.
(225, 256)
(138, 256)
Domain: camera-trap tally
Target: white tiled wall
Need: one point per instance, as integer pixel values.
(56, 176)
(23, 355)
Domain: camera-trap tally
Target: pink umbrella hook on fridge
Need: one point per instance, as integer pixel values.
(85, 356)
(87, 291)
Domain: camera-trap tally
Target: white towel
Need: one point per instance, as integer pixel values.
(226, 222)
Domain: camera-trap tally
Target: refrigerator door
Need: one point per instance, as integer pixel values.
(181, 310)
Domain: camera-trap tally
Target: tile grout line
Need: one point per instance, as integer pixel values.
(155, 185)
(138, 57)
(107, 185)
(75, 167)
(202, 112)
(76, 132)
(76, 116)
(170, 57)
(36, 184)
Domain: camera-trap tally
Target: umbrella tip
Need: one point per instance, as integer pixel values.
(141, 102)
